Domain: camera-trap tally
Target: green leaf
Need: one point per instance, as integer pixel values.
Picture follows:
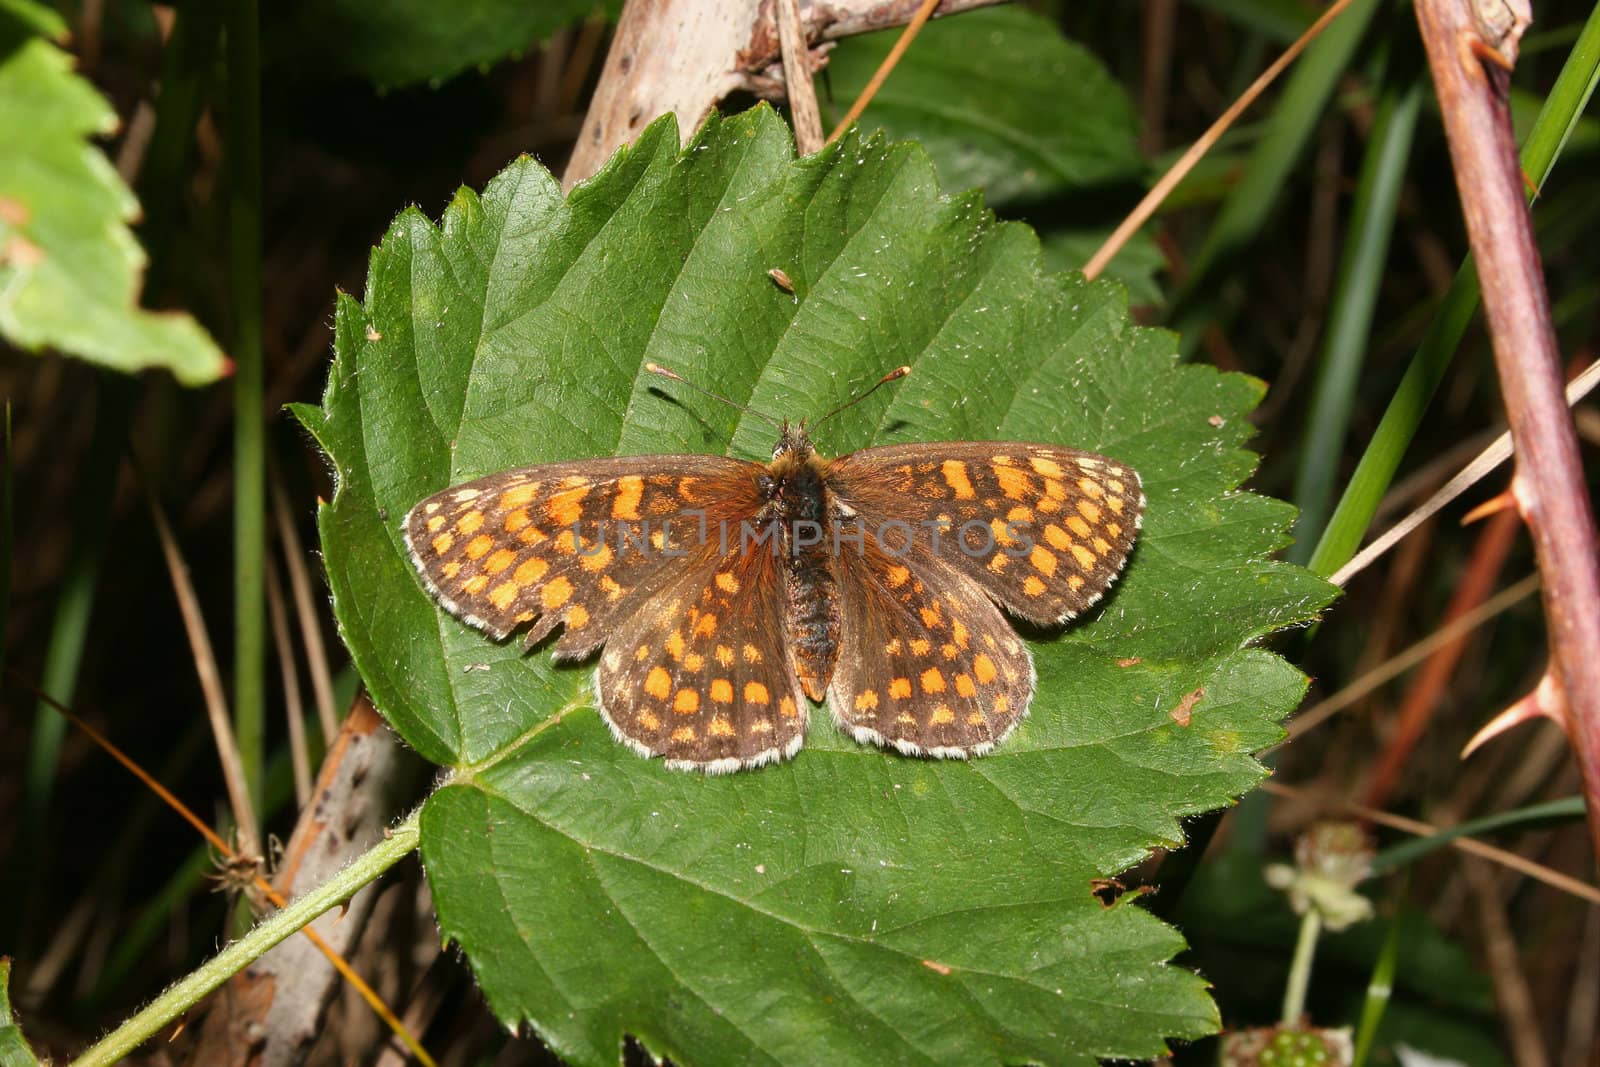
(403, 42)
(1004, 102)
(850, 903)
(1001, 100)
(14, 1050)
(69, 266)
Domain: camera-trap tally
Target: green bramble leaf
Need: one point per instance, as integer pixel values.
(849, 905)
(69, 266)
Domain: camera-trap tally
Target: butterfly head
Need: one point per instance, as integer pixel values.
(793, 442)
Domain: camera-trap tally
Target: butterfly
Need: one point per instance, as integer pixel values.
(728, 595)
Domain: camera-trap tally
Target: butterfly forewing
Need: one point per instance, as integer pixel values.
(928, 665)
(701, 674)
(578, 544)
(1042, 530)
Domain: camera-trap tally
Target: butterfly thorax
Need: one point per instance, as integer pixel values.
(800, 504)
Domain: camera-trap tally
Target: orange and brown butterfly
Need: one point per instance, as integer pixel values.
(728, 596)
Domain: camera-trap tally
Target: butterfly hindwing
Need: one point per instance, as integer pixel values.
(701, 673)
(927, 663)
(1042, 530)
(579, 544)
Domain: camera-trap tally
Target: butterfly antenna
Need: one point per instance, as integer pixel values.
(893, 376)
(667, 372)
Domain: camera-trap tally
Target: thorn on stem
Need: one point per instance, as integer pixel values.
(1493, 506)
(1546, 701)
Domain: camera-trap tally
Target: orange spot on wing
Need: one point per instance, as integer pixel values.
(520, 497)
(596, 559)
(1089, 510)
(649, 720)
(964, 685)
(687, 702)
(476, 584)
(706, 626)
(557, 593)
(1032, 586)
(942, 714)
(955, 476)
(1013, 482)
(727, 582)
(683, 733)
(900, 688)
(1043, 561)
(897, 576)
(566, 508)
(468, 524)
(443, 543)
(786, 708)
(1047, 467)
(479, 546)
(503, 594)
(724, 655)
(1057, 538)
(932, 681)
(866, 700)
(756, 693)
(720, 727)
(983, 667)
(625, 505)
(752, 654)
(722, 691)
(530, 571)
(577, 617)
(499, 561)
(919, 647)
(1084, 557)
(658, 683)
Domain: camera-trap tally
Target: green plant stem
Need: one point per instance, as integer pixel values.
(1360, 273)
(1305, 950)
(253, 945)
(1373, 475)
(249, 435)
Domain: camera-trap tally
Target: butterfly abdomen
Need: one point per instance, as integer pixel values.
(799, 503)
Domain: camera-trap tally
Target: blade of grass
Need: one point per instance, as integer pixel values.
(305, 606)
(879, 76)
(1533, 817)
(69, 629)
(294, 710)
(1335, 17)
(1376, 470)
(1360, 276)
(1379, 988)
(249, 429)
(1250, 203)
(1550, 877)
(205, 662)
